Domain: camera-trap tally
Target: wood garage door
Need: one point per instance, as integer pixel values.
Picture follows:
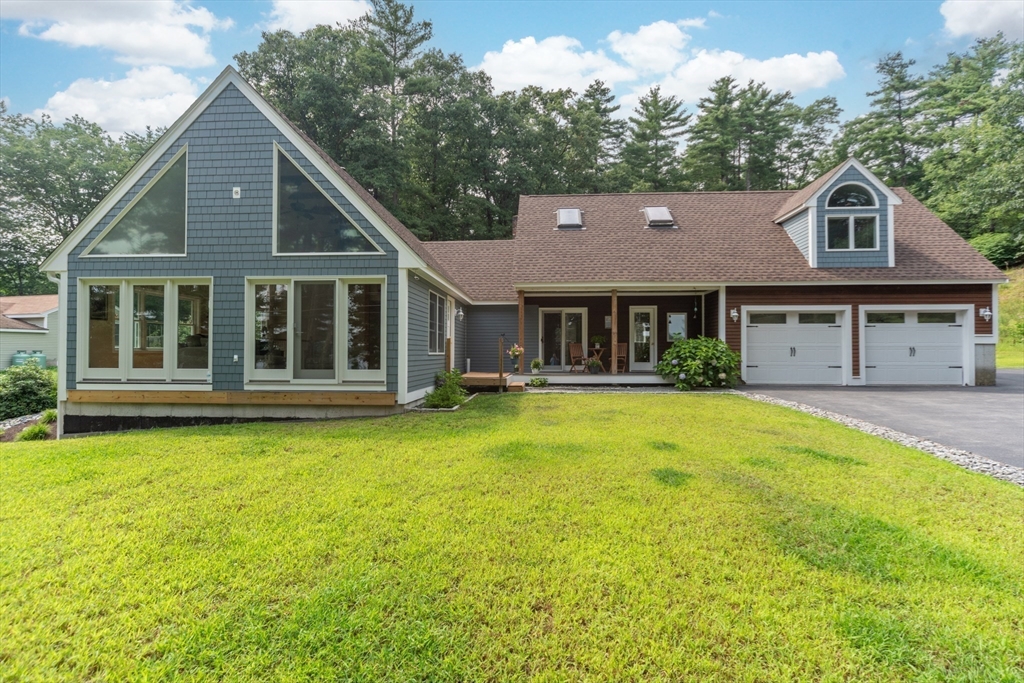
(792, 347)
(913, 347)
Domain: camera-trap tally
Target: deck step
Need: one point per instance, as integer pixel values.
(516, 387)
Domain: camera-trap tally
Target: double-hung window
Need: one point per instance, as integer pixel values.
(316, 331)
(148, 330)
(437, 324)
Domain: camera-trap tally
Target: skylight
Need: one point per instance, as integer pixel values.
(570, 218)
(658, 217)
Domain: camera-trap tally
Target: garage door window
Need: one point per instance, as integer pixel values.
(817, 318)
(767, 318)
(943, 317)
(885, 318)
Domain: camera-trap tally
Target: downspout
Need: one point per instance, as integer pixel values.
(62, 347)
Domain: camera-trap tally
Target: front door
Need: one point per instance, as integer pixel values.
(559, 329)
(643, 337)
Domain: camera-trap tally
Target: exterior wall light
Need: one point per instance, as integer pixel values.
(986, 313)
(460, 314)
(735, 315)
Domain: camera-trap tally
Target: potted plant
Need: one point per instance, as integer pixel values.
(593, 365)
(597, 340)
(535, 365)
(515, 353)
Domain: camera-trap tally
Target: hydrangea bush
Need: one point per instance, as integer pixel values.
(701, 362)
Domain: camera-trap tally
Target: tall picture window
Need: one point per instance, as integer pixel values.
(437, 323)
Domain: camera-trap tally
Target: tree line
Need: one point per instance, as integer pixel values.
(450, 157)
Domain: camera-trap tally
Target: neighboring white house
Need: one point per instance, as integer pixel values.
(29, 323)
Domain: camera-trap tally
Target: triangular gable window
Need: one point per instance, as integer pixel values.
(154, 223)
(308, 222)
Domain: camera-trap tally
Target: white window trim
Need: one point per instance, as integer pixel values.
(431, 307)
(846, 333)
(565, 345)
(654, 338)
(87, 253)
(124, 373)
(363, 380)
(849, 226)
(377, 250)
(967, 321)
(870, 191)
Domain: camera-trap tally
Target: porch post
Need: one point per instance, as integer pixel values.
(615, 332)
(522, 326)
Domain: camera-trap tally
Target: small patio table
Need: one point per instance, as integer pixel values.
(598, 355)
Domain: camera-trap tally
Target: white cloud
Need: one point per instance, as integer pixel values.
(555, 62)
(655, 48)
(146, 32)
(147, 96)
(984, 18)
(298, 15)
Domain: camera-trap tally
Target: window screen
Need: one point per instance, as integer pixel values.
(155, 224)
(307, 221)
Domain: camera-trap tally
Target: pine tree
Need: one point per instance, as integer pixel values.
(650, 159)
(710, 162)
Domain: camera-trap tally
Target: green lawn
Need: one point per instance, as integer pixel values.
(527, 537)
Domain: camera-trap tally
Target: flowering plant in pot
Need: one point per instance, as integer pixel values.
(535, 365)
(515, 353)
(593, 365)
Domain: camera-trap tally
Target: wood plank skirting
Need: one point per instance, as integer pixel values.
(309, 398)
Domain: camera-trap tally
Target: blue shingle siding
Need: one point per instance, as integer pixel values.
(461, 331)
(231, 145)
(423, 365)
(854, 259)
(486, 323)
(796, 228)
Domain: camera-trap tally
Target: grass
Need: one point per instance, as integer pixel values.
(36, 432)
(1010, 350)
(525, 537)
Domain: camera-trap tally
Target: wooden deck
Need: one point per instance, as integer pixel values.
(485, 379)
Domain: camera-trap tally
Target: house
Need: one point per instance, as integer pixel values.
(238, 273)
(29, 324)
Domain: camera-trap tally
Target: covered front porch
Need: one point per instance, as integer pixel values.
(610, 336)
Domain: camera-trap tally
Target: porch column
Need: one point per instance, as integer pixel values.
(522, 327)
(615, 332)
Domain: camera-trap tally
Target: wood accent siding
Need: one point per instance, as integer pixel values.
(855, 296)
(313, 398)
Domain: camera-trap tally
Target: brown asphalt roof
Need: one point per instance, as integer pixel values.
(27, 305)
(484, 267)
(802, 195)
(721, 237)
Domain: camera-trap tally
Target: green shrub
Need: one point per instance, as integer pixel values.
(49, 416)
(1001, 248)
(449, 392)
(701, 362)
(27, 389)
(36, 432)
(538, 381)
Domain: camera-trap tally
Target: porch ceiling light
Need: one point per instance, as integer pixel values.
(986, 313)
(459, 314)
(735, 315)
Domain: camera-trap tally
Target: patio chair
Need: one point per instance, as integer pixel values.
(620, 356)
(577, 357)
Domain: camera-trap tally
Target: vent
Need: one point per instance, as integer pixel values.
(569, 219)
(659, 217)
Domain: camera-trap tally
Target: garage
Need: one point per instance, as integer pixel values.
(793, 347)
(913, 347)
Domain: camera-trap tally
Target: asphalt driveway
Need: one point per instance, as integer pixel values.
(988, 421)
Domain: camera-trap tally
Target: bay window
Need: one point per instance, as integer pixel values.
(315, 331)
(166, 338)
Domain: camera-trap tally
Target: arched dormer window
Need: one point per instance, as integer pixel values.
(851, 196)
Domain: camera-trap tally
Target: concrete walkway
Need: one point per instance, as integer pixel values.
(988, 421)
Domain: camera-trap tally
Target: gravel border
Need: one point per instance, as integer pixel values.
(966, 459)
(419, 409)
(15, 421)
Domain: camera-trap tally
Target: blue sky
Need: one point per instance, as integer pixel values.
(131, 64)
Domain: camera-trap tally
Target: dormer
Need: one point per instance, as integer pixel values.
(844, 219)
